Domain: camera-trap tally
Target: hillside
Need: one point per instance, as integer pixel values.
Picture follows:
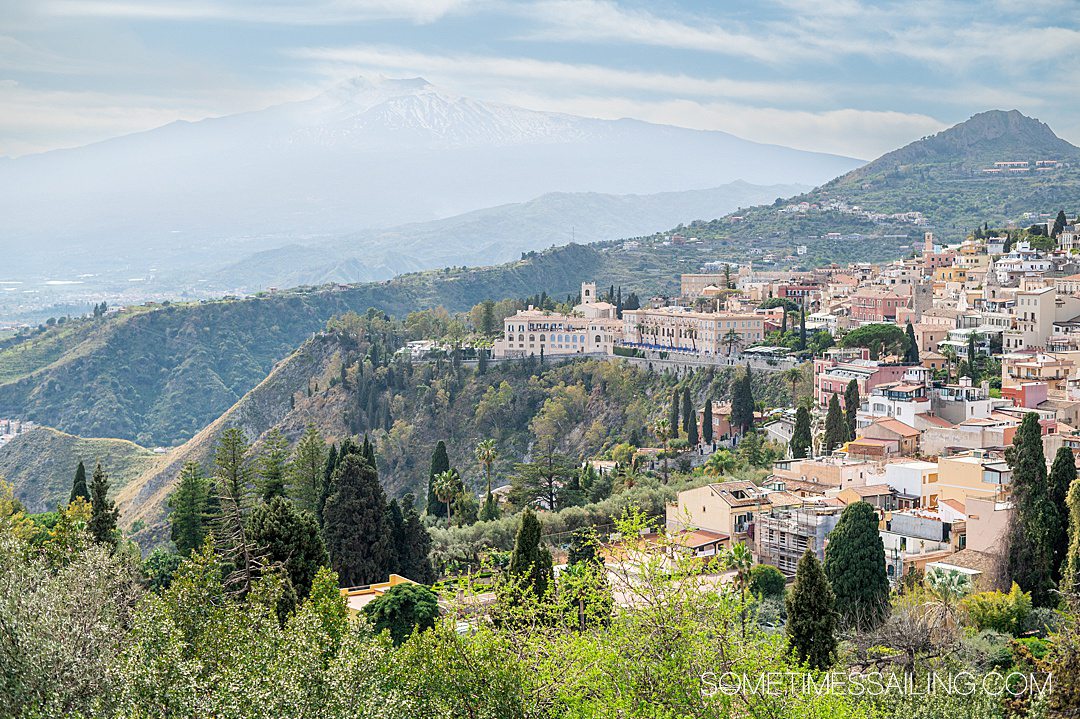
(158, 375)
(589, 404)
(488, 236)
(943, 178)
(41, 464)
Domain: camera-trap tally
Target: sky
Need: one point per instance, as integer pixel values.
(850, 77)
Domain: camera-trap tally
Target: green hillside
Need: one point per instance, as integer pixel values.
(942, 177)
(158, 375)
(41, 464)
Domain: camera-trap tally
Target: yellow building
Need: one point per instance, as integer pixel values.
(359, 597)
(967, 475)
(709, 334)
(726, 507)
(950, 274)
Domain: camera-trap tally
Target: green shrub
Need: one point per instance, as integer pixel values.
(999, 611)
(766, 581)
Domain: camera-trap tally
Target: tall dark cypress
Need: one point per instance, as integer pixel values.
(855, 566)
(327, 483)
(1029, 561)
(355, 527)
(78, 486)
(802, 329)
(673, 412)
(103, 514)
(811, 614)
(851, 407)
(1062, 475)
(687, 411)
(706, 422)
(911, 354)
(530, 561)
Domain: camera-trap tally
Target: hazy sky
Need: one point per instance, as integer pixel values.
(844, 76)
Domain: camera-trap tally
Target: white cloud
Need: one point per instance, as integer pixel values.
(465, 69)
(295, 12)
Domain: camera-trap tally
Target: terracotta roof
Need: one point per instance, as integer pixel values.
(955, 504)
(873, 490)
(895, 425)
(934, 419)
(699, 537)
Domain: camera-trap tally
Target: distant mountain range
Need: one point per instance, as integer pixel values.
(488, 236)
(367, 153)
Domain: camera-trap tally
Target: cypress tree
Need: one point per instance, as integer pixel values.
(1029, 561)
(357, 536)
(836, 430)
(911, 354)
(367, 451)
(855, 566)
(103, 514)
(673, 413)
(395, 520)
(687, 411)
(972, 369)
(706, 422)
(1070, 571)
(801, 439)
(288, 537)
(481, 360)
(440, 462)
(691, 430)
(802, 330)
(851, 407)
(811, 614)
(327, 482)
(189, 504)
(1059, 224)
(78, 486)
(413, 559)
(742, 403)
(1062, 475)
(783, 324)
(530, 562)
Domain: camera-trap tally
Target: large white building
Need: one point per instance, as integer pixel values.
(591, 328)
(709, 334)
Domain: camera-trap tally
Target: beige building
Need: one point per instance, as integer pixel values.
(709, 334)
(967, 475)
(693, 286)
(1020, 369)
(726, 507)
(1036, 311)
(592, 328)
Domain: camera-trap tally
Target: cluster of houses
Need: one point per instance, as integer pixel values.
(928, 453)
(11, 428)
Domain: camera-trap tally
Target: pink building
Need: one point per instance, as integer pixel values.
(837, 368)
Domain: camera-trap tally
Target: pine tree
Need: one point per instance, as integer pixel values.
(687, 411)
(673, 413)
(811, 614)
(911, 354)
(308, 468)
(103, 515)
(855, 566)
(835, 426)
(801, 439)
(289, 537)
(530, 562)
(440, 462)
(273, 465)
(742, 402)
(1062, 475)
(78, 486)
(851, 407)
(1029, 561)
(232, 477)
(707, 422)
(188, 518)
(354, 524)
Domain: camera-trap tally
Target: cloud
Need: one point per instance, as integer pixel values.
(293, 12)
(468, 69)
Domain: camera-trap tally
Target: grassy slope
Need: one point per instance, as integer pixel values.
(41, 464)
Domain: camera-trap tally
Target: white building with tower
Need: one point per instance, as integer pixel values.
(591, 328)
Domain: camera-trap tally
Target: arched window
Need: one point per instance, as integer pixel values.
(521, 338)
(532, 338)
(597, 339)
(541, 338)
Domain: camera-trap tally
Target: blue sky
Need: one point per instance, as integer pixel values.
(845, 76)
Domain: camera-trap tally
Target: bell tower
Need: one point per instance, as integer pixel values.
(588, 293)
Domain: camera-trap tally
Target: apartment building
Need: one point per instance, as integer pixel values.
(709, 334)
(1036, 310)
(837, 367)
(782, 535)
(875, 304)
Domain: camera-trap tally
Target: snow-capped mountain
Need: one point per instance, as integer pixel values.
(367, 153)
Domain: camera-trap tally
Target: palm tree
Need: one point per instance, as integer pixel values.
(740, 559)
(732, 340)
(719, 463)
(662, 428)
(946, 590)
(446, 486)
(486, 454)
(950, 359)
(794, 376)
